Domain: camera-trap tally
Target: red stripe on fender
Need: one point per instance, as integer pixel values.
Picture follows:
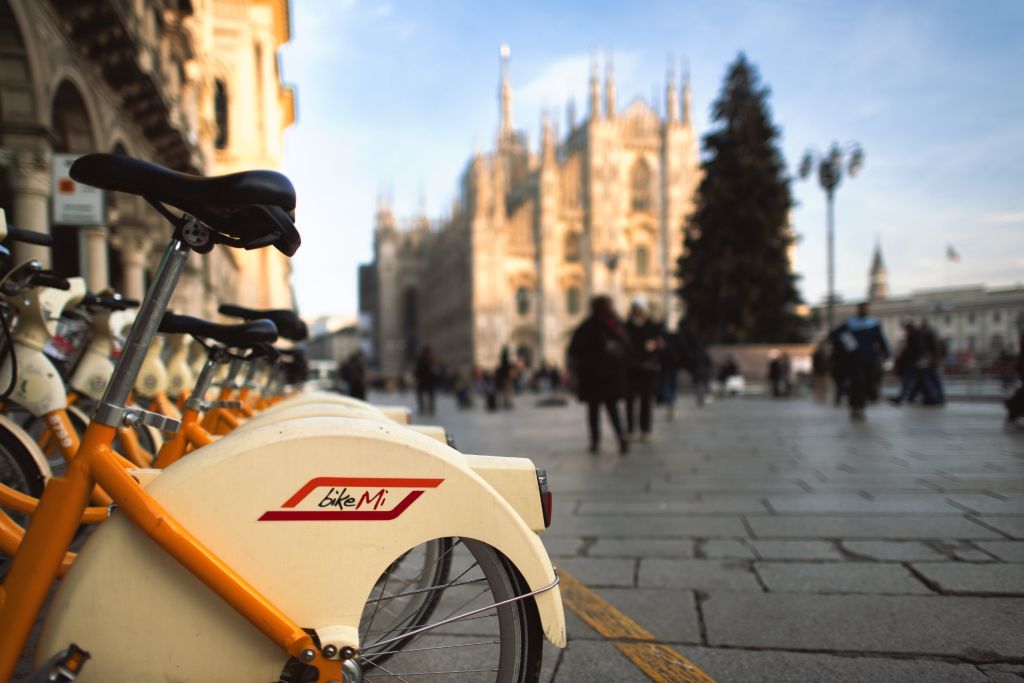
(341, 515)
(356, 481)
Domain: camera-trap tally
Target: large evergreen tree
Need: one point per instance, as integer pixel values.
(737, 286)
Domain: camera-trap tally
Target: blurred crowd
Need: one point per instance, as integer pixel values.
(624, 368)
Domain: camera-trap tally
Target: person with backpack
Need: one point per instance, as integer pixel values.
(864, 347)
(598, 353)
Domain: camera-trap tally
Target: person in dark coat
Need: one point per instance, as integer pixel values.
(1015, 404)
(353, 371)
(647, 339)
(598, 353)
(865, 347)
(426, 381)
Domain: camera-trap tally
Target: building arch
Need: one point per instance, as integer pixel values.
(16, 14)
(70, 84)
(73, 132)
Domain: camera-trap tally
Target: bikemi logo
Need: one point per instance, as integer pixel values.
(351, 499)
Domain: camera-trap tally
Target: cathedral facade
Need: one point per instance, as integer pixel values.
(536, 233)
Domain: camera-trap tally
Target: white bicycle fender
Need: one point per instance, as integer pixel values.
(256, 499)
(29, 443)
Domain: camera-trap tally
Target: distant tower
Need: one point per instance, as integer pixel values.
(878, 284)
(505, 94)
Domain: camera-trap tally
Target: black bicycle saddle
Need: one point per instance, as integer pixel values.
(289, 324)
(250, 210)
(243, 336)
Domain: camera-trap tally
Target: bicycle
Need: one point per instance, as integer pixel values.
(231, 493)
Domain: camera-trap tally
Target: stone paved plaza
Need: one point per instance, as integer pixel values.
(776, 541)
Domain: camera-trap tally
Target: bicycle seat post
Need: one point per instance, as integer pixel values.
(112, 408)
(214, 358)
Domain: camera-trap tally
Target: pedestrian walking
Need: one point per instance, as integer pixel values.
(427, 373)
(598, 355)
(820, 372)
(646, 338)
(504, 377)
(912, 365)
(701, 370)
(671, 361)
(864, 348)
(353, 372)
(936, 352)
(1015, 404)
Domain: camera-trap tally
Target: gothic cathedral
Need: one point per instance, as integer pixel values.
(535, 234)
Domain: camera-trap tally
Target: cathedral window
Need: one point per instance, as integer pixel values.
(572, 246)
(640, 186)
(523, 301)
(220, 107)
(642, 261)
(572, 300)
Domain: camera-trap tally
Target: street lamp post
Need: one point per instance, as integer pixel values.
(830, 173)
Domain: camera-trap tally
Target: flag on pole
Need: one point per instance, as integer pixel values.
(952, 254)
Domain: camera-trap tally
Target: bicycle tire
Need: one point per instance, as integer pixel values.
(19, 471)
(440, 645)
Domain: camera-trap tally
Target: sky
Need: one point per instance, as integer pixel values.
(393, 98)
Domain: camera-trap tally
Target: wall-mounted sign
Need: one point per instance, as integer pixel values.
(74, 203)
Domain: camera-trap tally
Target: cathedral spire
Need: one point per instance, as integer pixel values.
(609, 86)
(671, 101)
(878, 281)
(687, 104)
(505, 93)
(547, 138)
(595, 90)
(570, 114)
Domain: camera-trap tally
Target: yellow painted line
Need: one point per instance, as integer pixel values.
(659, 662)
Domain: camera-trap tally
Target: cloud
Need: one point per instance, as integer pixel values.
(567, 77)
(1004, 218)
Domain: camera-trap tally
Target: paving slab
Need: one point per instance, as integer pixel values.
(839, 577)
(990, 505)
(796, 550)
(587, 661)
(651, 527)
(749, 666)
(697, 574)
(842, 503)
(1007, 551)
(978, 579)
(669, 614)
(893, 551)
(726, 549)
(976, 629)
(641, 547)
(909, 527)
(601, 571)
(1010, 526)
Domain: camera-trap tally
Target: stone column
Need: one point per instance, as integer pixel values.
(30, 186)
(134, 247)
(95, 268)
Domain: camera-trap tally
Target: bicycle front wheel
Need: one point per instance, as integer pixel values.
(465, 627)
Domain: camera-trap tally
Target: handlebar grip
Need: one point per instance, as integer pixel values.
(29, 237)
(49, 280)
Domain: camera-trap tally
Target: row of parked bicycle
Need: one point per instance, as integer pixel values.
(211, 521)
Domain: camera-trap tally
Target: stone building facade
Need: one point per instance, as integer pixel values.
(536, 233)
(974, 322)
(189, 84)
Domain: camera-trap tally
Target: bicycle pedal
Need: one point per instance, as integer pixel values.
(64, 666)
